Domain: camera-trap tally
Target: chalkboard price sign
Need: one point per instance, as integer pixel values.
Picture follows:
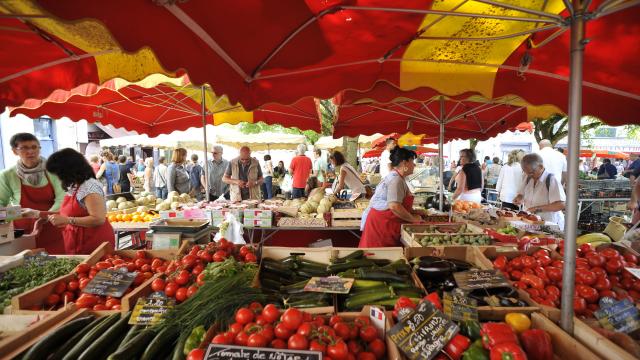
(423, 333)
(110, 283)
(480, 279)
(230, 352)
(458, 307)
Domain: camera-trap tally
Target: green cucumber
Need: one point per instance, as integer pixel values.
(99, 346)
(133, 331)
(64, 349)
(164, 338)
(354, 264)
(358, 301)
(48, 343)
(374, 274)
(356, 255)
(382, 288)
(363, 284)
(177, 351)
(134, 347)
(91, 336)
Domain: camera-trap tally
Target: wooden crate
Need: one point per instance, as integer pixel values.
(346, 217)
(597, 343)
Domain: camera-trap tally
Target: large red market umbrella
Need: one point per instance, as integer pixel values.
(604, 154)
(258, 53)
(161, 105)
(381, 141)
(423, 111)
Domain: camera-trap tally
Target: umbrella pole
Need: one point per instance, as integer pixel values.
(206, 147)
(441, 154)
(575, 113)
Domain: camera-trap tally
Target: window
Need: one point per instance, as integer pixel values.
(605, 132)
(43, 130)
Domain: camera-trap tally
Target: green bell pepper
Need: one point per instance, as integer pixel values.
(471, 329)
(476, 352)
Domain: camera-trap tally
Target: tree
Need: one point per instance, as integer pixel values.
(259, 127)
(633, 131)
(555, 128)
(472, 144)
(329, 114)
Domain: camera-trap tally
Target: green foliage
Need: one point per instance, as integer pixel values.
(633, 131)
(555, 128)
(260, 127)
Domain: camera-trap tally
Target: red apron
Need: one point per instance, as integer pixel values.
(382, 227)
(78, 239)
(41, 199)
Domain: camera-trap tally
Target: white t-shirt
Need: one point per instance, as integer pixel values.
(509, 182)
(385, 162)
(536, 194)
(554, 161)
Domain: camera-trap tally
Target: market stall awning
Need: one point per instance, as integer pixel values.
(422, 111)
(160, 105)
(329, 143)
(382, 141)
(604, 154)
(292, 48)
(190, 139)
(420, 150)
(262, 141)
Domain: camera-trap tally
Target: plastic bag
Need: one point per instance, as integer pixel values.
(230, 229)
(287, 183)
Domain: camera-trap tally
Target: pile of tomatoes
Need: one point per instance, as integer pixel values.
(71, 290)
(184, 276)
(336, 337)
(599, 273)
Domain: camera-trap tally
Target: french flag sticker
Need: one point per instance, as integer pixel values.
(378, 320)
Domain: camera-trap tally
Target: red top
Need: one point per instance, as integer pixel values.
(301, 169)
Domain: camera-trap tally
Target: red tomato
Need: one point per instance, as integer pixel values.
(292, 318)
(60, 287)
(205, 256)
(599, 272)
(244, 316)
(197, 270)
(630, 258)
(250, 258)
(378, 348)
(602, 284)
(614, 265)
(278, 344)
(110, 303)
(139, 263)
(158, 284)
(319, 320)
(595, 259)
(267, 332)
(145, 268)
(256, 340)
(334, 319)
(82, 268)
(219, 256)
(305, 329)
(354, 346)
(170, 289)
(102, 265)
(86, 301)
(610, 253)
(191, 290)
(241, 339)
(588, 293)
(131, 267)
(235, 328)
(282, 332)
(83, 283)
(365, 355)
(342, 330)
(516, 275)
(579, 305)
(271, 313)
(196, 354)
(338, 350)
(552, 289)
(98, 307)
(608, 293)
(585, 277)
(368, 333)
(73, 285)
(189, 261)
(181, 294)
(141, 254)
(298, 342)
(68, 297)
(315, 345)
(183, 277)
(553, 273)
(52, 299)
(200, 279)
(362, 321)
(116, 307)
(220, 339)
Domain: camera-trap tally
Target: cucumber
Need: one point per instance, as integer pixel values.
(112, 347)
(64, 349)
(358, 254)
(99, 346)
(177, 351)
(354, 264)
(164, 338)
(133, 331)
(376, 289)
(134, 347)
(373, 274)
(91, 336)
(365, 284)
(47, 344)
(358, 301)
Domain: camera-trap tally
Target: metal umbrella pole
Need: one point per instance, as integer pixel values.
(575, 113)
(441, 154)
(206, 147)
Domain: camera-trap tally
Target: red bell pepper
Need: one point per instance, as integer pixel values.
(537, 344)
(434, 298)
(457, 346)
(507, 351)
(497, 333)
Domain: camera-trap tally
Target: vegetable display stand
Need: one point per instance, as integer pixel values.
(14, 345)
(443, 234)
(600, 344)
(35, 300)
(346, 217)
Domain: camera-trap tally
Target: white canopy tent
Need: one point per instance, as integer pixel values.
(261, 142)
(190, 139)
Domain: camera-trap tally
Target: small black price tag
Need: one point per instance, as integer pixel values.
(150, 310)
(480, 279)
(423, 333)
(110, 283)
(231, 352)
(458, 307)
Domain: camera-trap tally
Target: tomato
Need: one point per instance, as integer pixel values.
(365, 355)
(602, 284)
(220, 339)
(306, 329)
(191, 290)
(170, 289)
(67, 297)
(138, 279)
(267, 332)
(298, 342)
(189, 261)
(319, 320)
(553, 273)
(338, 350)
(139, 263)
(500, 262)
(181, 294)
(282, 332)
(278, 344)
(244, 316)
(256, 340)
(579, 305)
(588, 293)
(599, 272)
(630, 258)
(60, 287)
(158, 285)
(544, 261)
(86, 301)
(83, 283)
(315, 345)
(271, 313)
(197, 270)
(183, 277)
(585, 277)
(82, 268)
(552, 289)
(368, 333)
(334, 319)
(516, 275)
(354, 346)
(362, 321)
(610, 253)
(520, 285)
(342, 330)
(131, 267)
(585, 249)
(378, 348)
(219, 256)
(196, 354)
(241, 338)
(250, 258)
(595, 259)
(156, 263)
(52, 299)
(516, 263)
(111, 302)
(102, 265)
(614, 265)
(292, 318)
(528, 261)
(608, 293)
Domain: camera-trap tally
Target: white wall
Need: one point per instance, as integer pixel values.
(8, 127)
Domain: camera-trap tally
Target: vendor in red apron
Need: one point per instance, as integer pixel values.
(391, 204)
(83, 212)
(30, 186)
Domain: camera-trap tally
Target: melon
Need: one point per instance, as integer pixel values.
(142, 209)
(175, 205)
(122, 206)
(111, 204)
(121, 200)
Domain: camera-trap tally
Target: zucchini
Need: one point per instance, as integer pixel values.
(164, 338)
(401, 285)
(48, 343)
(294, 288)
(112, 347)
(382, 288)
(358, 301)
(177, 351)
(305, 304)
(410, 293)
(354, 264)
(64, 349)
(381, 262)
(311, 263)
(99, 346)
(313, 270)
(356, 255)
(365, 284)
(133, 331)
(134, 347)
(91, 336)
(270, 284)
(375, 274)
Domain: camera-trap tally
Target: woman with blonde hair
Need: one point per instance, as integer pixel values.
(177, 174)
(148, 175)
(510, 179)
(109, 173)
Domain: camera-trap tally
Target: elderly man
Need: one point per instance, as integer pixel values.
(541, 192)
(244, 177)
(300, 169)
(554, 161)
(217, 168)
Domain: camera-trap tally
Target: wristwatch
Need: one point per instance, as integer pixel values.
(72, 220)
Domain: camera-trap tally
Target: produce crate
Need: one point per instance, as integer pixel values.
(23, 303)
(346, 217)
(598, 343)
(411, 234)
(286, 222)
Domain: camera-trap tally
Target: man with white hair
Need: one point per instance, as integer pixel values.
(554, 161)
(244, 177)
(300, 169)
(542, 192)
(217, 167)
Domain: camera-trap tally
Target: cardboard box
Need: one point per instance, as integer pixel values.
(219, 215)
(253, 223)
(255, 214)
